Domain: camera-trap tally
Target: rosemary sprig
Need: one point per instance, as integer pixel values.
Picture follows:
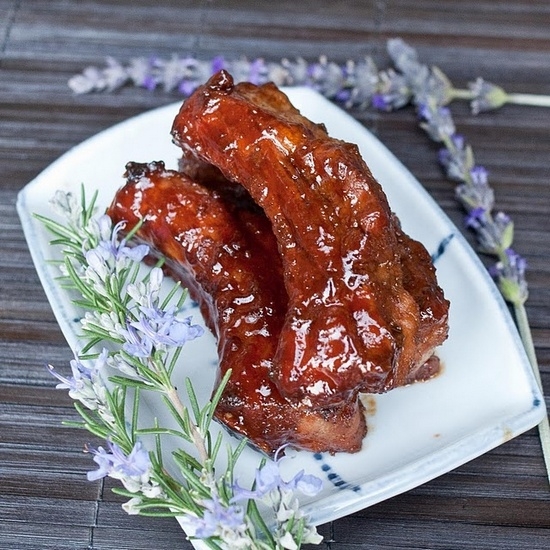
(132, 341)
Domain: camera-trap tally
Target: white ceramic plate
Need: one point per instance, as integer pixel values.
(485, 395)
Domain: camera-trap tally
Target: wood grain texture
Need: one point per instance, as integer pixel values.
(501, 500)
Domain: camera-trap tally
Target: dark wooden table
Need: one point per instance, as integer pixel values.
(498, 501)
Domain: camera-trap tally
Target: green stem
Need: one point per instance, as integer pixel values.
(525, 333)
(534, 100)
(197, 437)
(172, 394)
(529, 99)
(461, 94)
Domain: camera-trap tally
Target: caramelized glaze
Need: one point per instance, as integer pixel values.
(364, 309)
(222, 248)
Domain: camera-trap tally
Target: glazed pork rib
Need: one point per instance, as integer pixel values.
(222, 248)
(362, 315)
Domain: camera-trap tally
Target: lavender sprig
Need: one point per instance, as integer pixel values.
(355, 83)
(419, 84)
(140, 336)
(494, 230)
(352, 84)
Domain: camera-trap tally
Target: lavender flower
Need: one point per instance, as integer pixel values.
(476, 193)
(172, 71)
(403, 56)
(493, 232)
(114, 75)
(424, 83)
(258, 72)
(296, 71)
(494, 235)
(486, 96)
(436, 121)
(91, 80)
(393, 91)
(140, 72)
(342, 83)
(434, 86)
(510, 276)
(326, 77)
(457, 158)
(353, 83)
(362, 80)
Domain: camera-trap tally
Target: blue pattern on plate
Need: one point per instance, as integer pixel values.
(442, 247)
(334, 477)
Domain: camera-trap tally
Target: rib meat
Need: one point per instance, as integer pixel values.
(222, 248)
(359, 317)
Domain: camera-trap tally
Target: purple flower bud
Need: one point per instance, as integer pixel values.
(517, 263)
(116, 464)
(258, 72)
(136, 345)
(218, 63)
(487, 96)
(362, 80)
(475, 218)
(457, 158)
(84, 376)
(217, 519)
(475, 196)
(114, 74)
(436, 121)
(297, 71)
(163, 328)
(140, 71)
(150, 82)
(268, 479)
(393, 93)
(380, 102)
(187, 87)
(114, 250)
(479, 175)
(343, 96)
(404, 56)
(510, 276)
